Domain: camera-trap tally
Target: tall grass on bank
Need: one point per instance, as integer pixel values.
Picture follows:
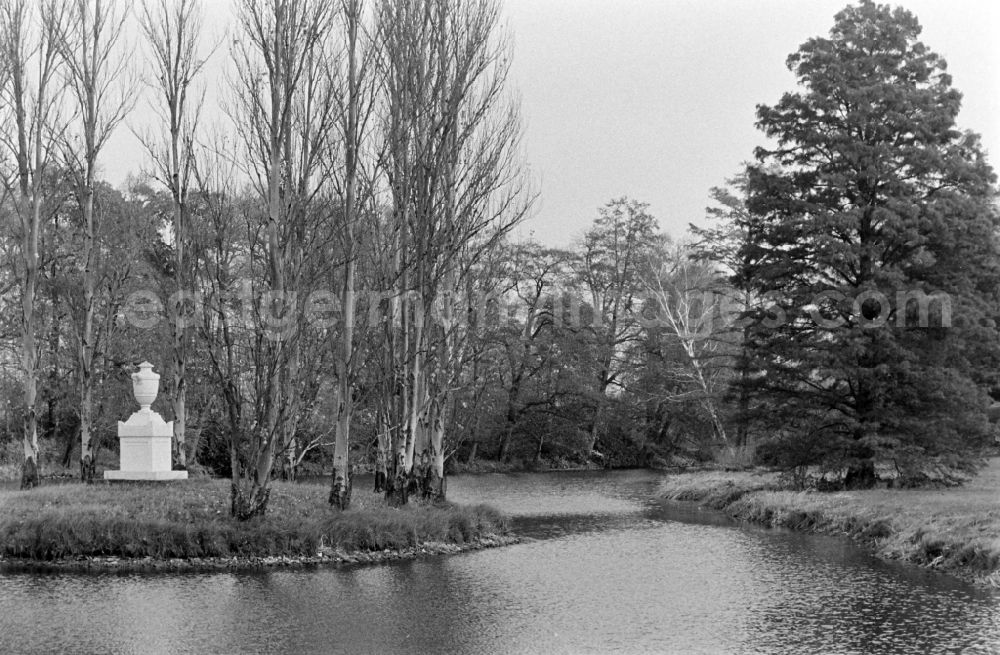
(717, 489)
(953, 528)
(191, 520)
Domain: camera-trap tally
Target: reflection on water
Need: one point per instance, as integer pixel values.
(608, 569)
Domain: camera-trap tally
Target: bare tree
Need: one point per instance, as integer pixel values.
(284, 113)
(220, 261)
(356, 104)
(29, 60)
(94, 56)
(615, 249)
(533, 274)
(453, 168)
(173, 31)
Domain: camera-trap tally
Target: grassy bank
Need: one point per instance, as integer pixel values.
(955, 529)
(191, 521)
(516, 465)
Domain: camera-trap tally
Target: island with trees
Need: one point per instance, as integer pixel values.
(325, 269)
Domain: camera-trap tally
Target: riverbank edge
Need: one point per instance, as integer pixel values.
(324, 558)
(761, 506)
(12, 474)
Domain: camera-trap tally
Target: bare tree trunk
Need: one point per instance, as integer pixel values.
(513, 398)
(32, 147)
(399, 368)
(178, 394)
(416, 377)
(248, 497)
(596, 420)
(743, 429)
(55, 374)
(29, 470)
(383, 441)
(436, 486)
(89, 49)
(178, 358)
(340, 491)
(85, 349)
(503, 451)
(600, 400)
(709, 403)
(421, 449)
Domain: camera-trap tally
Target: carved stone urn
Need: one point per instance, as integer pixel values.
(145, 386)
(144, 440)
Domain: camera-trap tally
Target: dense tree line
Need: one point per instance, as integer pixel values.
(330, 282)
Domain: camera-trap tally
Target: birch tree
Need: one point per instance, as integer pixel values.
(683, 290)
(29, 36)
(725, 245)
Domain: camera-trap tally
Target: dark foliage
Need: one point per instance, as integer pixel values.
(871, 207)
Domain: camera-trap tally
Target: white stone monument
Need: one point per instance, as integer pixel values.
(144, 439)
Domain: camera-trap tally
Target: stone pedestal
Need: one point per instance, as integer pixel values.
(144, 439)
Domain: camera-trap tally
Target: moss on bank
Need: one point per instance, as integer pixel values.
(191, 521)
(956, 529)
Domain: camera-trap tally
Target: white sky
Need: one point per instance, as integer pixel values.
(655, 99)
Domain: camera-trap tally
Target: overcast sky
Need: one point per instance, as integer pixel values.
(654, 99)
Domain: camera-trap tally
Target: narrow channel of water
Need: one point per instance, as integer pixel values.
(606, 568)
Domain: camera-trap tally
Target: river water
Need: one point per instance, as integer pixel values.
(606, 568)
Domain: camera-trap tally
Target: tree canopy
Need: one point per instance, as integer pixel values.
(872, 214)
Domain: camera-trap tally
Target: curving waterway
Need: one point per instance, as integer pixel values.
(606, 568)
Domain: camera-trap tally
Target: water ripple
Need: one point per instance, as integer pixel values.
(609, 569)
